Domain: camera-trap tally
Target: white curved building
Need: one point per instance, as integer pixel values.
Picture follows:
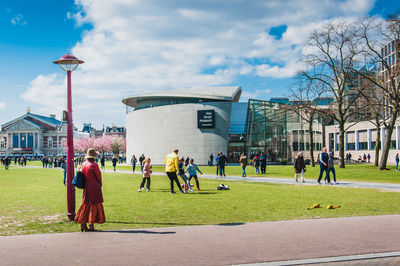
(196, 121)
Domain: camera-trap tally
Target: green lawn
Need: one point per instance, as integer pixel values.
(34, 201)
(357, 172)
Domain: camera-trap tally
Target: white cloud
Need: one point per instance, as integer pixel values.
(137, 46)
(3, 105)
(18, 20)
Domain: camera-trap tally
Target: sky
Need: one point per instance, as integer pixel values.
(132, 47)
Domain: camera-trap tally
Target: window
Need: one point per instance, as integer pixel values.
(50, 142)
(363, 145)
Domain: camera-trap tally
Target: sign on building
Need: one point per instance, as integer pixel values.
(205, 119)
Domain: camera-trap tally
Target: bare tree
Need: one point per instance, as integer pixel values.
(381, 40)
(333, 53)
(304, 97)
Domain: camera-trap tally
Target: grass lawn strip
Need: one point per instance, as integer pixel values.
(34, 201)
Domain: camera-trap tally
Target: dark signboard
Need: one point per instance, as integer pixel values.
(205, 119)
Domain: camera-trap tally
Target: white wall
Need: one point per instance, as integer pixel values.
(157, 131)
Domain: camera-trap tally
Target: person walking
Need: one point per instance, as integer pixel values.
(211, 161)
(256, 163)
(171, 166)
(193, 169)
(185, 179)
(323, 164)
(146, 174)
(243, 164)
(133, 162)
(114, 162)
(222, 163)
(7, 162)
(217, 162)
(64, 167)
(263, 162)
(103, 162)
(91, 210)
(299, 167)
(331, 168)
(141, 159)
(369, 158)
(397, 161)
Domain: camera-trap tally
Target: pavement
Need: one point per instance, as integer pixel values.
(370, 240)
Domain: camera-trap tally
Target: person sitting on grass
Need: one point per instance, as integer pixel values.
(193, 169)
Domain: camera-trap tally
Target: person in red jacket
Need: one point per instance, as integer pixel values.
(91, 210)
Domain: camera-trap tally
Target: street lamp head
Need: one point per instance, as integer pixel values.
(68, 62)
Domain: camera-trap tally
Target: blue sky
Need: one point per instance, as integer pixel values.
(131, 47)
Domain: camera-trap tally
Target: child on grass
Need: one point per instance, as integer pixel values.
(192, 169)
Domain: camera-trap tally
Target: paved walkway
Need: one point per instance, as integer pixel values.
(354, 184)
(284, 241)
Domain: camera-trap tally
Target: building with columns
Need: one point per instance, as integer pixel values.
(32, 134)
(360, 139)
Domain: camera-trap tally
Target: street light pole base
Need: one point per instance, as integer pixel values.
(71, 216)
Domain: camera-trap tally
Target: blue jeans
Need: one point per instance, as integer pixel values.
(133, 167)
(221, 170)
(257, 169)
(397, 165)
(65, 175)
(333, 172)
(322, 169)
(244, 171)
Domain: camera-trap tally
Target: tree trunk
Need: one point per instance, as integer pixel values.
(310, 129)
(341, 144)
(377, 140)
(388, 138)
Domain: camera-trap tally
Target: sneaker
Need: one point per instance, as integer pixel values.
(319, 183)
(296, 180)
(183, 192)
(148, 190)
(190, 190)
(303, 181)
(198, 189)
(173, 192)
(139, 190)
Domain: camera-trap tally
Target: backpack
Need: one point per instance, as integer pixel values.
(222, 187)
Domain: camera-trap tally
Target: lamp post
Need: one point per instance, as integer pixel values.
(69, 63)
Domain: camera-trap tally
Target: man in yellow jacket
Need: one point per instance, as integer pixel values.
(171, 166)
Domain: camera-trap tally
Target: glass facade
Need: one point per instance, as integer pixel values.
(267, 130)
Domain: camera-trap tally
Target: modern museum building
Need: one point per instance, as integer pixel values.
(204, 121)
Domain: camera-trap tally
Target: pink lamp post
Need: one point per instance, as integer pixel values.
(69, 63)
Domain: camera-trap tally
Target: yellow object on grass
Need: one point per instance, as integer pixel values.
(332, 207)
(316, 205)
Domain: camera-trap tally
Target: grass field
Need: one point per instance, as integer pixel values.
(353, 172)
(34, 201)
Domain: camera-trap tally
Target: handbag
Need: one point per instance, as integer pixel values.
(79, 179)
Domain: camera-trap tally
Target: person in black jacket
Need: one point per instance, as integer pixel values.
(222, 163)
(299, 167)
(323, 164)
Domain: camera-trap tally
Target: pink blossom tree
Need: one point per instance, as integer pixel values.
(83, 144)
(103, 144)
(118, 144)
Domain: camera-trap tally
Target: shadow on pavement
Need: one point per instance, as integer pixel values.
(138, 232)
(169, 224)
(231, 224)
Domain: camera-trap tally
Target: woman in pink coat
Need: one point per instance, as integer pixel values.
(91, 210)
(146, 174)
